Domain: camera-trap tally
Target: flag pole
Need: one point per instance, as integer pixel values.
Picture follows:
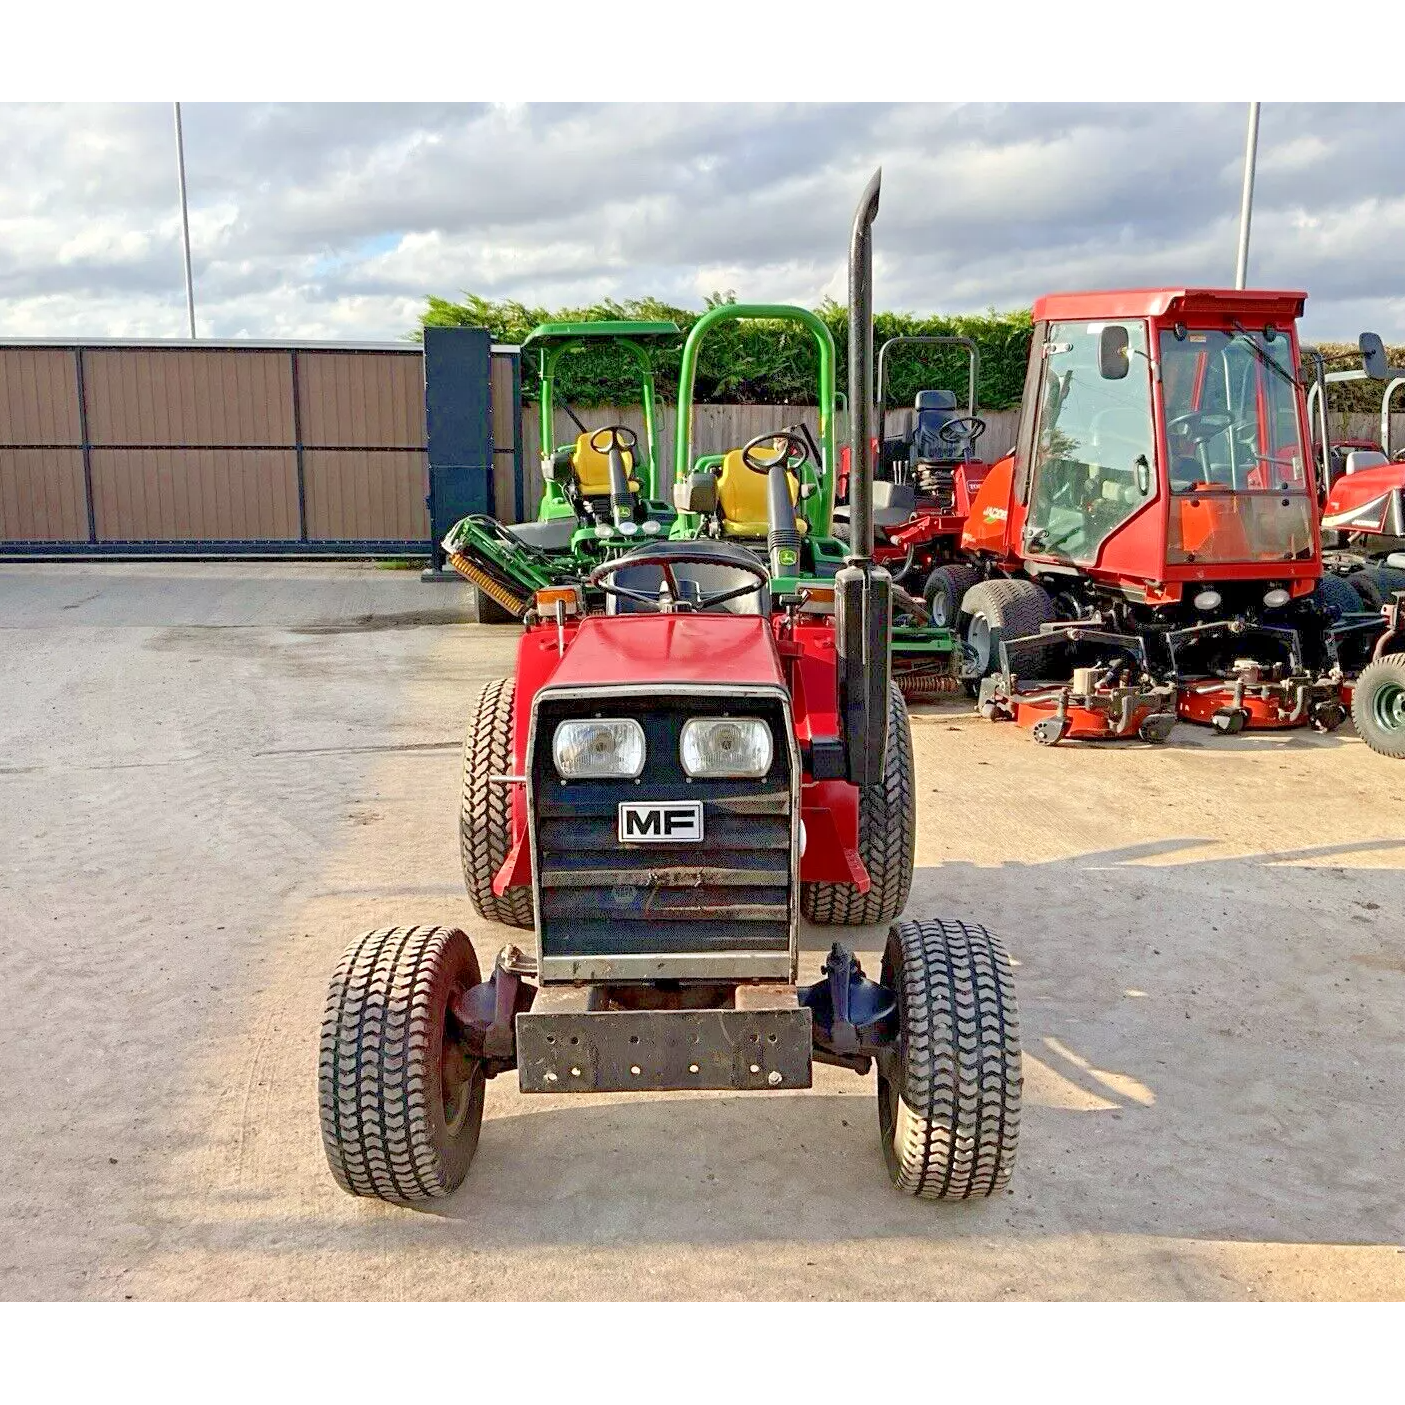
(185, 224)
(1246, 207)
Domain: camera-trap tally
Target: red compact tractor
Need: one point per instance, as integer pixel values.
(1153, 539)
(658, 794)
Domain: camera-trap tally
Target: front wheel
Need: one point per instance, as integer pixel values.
(1378, 706)
(1001, 610)
(949, 1090)
(401, 1097)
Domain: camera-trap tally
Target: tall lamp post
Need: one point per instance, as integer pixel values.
(1246, 206)
(185, 224)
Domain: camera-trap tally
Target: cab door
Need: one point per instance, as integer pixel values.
(1093, 456)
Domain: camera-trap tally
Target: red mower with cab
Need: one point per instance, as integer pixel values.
(1152, 543)
(658, 794)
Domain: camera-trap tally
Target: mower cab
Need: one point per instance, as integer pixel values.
(659, 794)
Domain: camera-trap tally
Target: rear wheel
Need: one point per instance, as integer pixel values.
(1003, 610)
(1338, 597)
(1378, 706)
(401, 1098)
(949, 1090)
(485, 809)
(887, 839)
(1376, 584)
(946, 588)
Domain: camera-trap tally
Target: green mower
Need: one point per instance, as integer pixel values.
(600, 492)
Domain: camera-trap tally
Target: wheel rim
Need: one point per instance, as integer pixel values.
(978, 637)
(941, 608)
(459, 1074)
(1388, 707)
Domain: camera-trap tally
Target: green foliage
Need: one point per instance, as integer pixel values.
(755, 362)
(1356, 397)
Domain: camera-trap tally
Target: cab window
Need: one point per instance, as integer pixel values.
(1094, 450)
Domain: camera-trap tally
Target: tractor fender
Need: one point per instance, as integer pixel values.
(829, 810)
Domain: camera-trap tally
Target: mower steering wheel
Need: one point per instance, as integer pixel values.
(791, 449)
(666, 561)
(964, 429)
(1199, 425)
(622, 437)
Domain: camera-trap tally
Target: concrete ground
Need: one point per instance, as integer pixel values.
(212, 777)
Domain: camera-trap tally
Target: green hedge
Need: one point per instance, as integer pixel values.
(1357, 397)
(756, 363)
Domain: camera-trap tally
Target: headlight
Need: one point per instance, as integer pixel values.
(1277, 598)
(628, 529)
(601, 746)
(725, 746)
(651, 528)
(1208, 600)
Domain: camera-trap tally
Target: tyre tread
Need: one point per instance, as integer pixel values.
(958, 1111)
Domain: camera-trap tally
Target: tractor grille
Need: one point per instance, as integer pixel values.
(600, 897)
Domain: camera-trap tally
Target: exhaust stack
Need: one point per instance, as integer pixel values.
(863, 592)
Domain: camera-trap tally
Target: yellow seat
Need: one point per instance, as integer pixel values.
(592, 468)
(741, 495)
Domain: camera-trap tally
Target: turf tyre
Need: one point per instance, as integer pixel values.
(401, 1101)
(887, 839)
(1378, 706)
(1376, 585)
(949, 1090)
(1337, 596)
(1006, 609)
(485, 809)
(945, 589)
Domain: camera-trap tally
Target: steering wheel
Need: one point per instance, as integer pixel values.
(792, 450)
(1199, 425)
(622, 437)
(964, 429)
(666, 561)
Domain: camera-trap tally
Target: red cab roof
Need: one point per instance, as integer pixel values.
(1251, 304)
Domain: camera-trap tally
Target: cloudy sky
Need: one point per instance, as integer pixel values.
(336, 220)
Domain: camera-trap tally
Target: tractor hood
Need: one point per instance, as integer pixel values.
(1368, 501)
(670, 650)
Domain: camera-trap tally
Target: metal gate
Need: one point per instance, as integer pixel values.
(235, 448)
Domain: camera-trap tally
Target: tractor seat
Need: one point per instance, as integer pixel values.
(741, 498)
(1358, 459)
(552, 535)
(933, 409)
(693, 579)
(592, 469)
(893, 504)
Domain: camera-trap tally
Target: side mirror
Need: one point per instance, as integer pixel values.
(1114, 360)
(1373, 356)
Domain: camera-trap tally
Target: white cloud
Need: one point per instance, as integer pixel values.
(337, 220)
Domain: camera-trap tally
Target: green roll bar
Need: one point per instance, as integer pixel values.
(555, 339)
(819, 509)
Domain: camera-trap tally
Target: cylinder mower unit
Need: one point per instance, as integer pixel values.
(1252, 688)
(661, 791)
(1111, 699)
